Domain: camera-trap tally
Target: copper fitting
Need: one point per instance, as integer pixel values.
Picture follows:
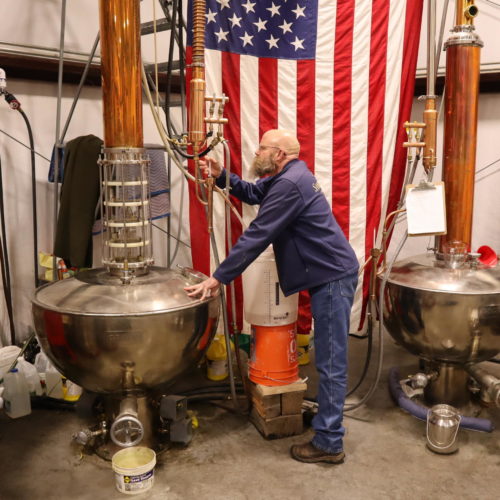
(196, 133)
(430, 119)
(466, 11)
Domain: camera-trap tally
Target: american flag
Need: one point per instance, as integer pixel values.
(338, 73)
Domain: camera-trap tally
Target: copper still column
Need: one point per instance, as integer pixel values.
(121, 75)
(460, 123)
(126, 249)
(447, 310)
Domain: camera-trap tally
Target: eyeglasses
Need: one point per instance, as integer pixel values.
(263, 147)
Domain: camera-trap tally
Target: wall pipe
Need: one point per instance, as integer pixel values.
(58, 128)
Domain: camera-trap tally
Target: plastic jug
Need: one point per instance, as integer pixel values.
(50, 376)
(72, 392)
(216, 355)
(41, 362)
(53, 383)
(31, 375)
(16, 395)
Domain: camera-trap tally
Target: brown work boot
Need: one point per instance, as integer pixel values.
(309, 454)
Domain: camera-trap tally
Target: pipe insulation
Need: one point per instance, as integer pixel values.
(420, 412)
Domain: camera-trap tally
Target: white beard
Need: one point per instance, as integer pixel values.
(262, 167)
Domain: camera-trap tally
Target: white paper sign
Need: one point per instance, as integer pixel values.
(426, 209)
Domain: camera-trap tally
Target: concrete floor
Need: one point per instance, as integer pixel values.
(229, 460)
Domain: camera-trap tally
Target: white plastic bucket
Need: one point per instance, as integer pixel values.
(134, 469)
(8, 355)
(265, 304)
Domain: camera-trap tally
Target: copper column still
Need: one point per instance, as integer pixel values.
(448, 313)
(127, 249)
(121, 75)
(127, 331)
(460, 123)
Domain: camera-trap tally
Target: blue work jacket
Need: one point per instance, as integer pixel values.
(294, 215)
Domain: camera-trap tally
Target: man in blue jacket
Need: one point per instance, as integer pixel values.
(312, 254)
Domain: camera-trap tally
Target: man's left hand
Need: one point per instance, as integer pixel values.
(207, 288)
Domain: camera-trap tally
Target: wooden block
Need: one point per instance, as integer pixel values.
(265, 390)
(277, 427)
(267, 406)
(291, 402)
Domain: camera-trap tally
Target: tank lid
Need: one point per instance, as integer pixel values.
(424, 272)
(97, 292)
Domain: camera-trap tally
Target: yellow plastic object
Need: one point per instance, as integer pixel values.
(217, 359)
(194, 419)
(303, 348)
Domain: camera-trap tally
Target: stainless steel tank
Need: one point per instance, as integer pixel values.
(437, 313)
(93, 326)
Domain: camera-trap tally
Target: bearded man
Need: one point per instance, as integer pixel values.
(312, 254)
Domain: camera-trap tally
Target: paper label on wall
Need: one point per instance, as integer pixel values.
(426, 209)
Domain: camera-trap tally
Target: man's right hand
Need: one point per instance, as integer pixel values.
(210, 167)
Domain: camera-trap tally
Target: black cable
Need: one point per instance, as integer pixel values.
(170, 128)
(4, 259)
(7, 293)
(5, 251)
(182, 56)
(24, 145)
(16, 105)
(166, 232)
(33, 195)
(367, 361)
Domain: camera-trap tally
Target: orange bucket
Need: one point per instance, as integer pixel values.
(273, 355)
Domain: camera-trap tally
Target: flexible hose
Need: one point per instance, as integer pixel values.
(4, 258)
(419, 411)
(169, 151)
(33, 195)
(226, 326)
(367, 361)
(170, 127)
(380, 353)
(232, 292)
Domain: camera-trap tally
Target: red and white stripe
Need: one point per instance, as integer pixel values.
(347, 108)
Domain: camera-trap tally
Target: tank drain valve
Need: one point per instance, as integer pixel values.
(87, 436)
(127, 430)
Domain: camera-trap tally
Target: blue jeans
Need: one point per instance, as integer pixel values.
(331, 308)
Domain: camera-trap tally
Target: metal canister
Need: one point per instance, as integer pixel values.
(443, 422)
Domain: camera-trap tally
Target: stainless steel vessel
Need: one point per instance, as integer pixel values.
(447, 311)
(95, 328)
(449, 315)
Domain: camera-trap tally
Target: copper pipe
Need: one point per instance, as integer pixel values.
(430, 119)
(196, 127)
(465, 11)
(430, 113)
(121, 75)
(460, 129)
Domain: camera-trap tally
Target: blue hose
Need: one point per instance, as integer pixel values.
(419, 411)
